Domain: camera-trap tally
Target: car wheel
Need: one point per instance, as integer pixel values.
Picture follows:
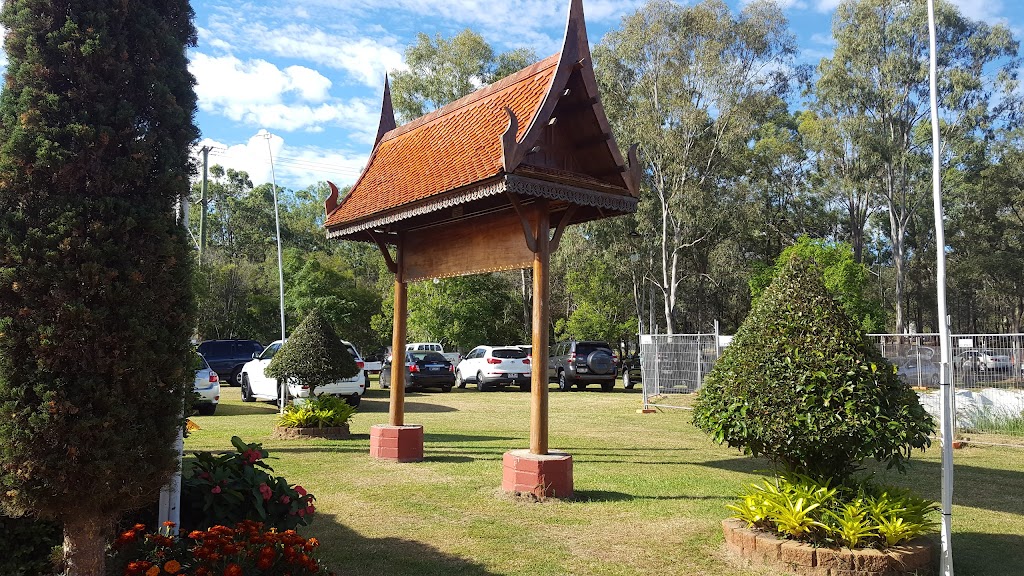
(607, 386)
(246, 390)
(525, 387)
(480, 384)
(459, 382)
(446, 388)
(581, 386)
(233, 380)
(206, 409)
(353, 400)
(563, 384)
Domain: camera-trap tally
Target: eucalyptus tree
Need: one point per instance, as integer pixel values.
(442, 70)
(96, 123)
(690, 85)
(875, 88)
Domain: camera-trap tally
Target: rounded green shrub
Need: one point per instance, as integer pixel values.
(313, 356)
(802, 385)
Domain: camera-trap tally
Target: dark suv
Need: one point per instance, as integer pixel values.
(582, 362)
(226, 357)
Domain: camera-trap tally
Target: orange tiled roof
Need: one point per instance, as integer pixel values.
(456, 145)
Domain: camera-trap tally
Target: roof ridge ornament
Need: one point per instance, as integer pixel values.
(387, 114)
(331, 204)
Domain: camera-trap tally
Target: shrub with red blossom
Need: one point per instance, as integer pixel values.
(229, 488)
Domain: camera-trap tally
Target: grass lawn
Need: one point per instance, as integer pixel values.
(650, 490)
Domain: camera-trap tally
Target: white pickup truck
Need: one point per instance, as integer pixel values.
(453, 357)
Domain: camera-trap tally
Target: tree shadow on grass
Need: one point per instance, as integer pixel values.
(610, 496)
(348, 552)
(249, 409)
(987, 554)
(975, 486)
(376, 405)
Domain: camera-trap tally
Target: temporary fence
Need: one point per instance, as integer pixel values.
(672, 365)
(987, 372)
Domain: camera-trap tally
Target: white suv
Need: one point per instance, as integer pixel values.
(258, 386)
(494, 366)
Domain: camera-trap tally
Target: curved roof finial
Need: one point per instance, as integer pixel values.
(387, 113)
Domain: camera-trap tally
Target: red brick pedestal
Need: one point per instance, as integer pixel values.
(397, 443)
(543, 475)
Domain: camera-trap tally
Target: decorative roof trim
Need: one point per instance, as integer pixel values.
(492, 189)
(387, 114)
(512, 184)
(571, 194)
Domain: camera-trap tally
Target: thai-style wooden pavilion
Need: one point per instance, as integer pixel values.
(487, 183)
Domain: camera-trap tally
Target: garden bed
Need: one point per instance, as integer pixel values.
(762, 548)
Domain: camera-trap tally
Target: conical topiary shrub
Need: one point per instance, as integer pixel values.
(313, 356)
(801, 385)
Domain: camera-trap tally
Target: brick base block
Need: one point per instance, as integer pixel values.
(397, 443)
(543, 475)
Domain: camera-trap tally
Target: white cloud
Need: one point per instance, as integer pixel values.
(259, 93)
(990, 11)
(295, 167)
(826, 6)
(364, 59)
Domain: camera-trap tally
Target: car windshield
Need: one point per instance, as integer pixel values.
(428, 357)
(508, 353)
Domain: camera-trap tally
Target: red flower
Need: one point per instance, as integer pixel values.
(215, 489)
(284, 499)
(300, 490)
(233, 570)
(310, 509)
(266, 491)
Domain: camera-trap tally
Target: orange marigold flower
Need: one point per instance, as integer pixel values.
(172, 567)
(169, 524)
(139, 527)
(153, 571)
(233, 570)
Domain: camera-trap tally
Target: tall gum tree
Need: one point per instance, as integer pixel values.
(877, 79)
(690, 85)
(96, 122)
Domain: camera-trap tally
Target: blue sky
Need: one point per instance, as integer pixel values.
(309, 73)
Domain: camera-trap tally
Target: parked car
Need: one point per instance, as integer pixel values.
(453, 357)
(423, 369)
(582, 362)
(528, 348)
(258, 386)
(228, 356)
(629, 368)
(918, 372)
(494, 367)
(207, 386)
(982, 361)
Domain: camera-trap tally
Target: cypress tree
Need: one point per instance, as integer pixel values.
(96, 122)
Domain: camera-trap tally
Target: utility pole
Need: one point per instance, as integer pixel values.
(202, 203)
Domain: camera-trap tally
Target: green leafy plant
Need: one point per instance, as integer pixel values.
(321, 411)
(236, 486)
(852, 525)
(313, 356)
(27, 544)
(857, 515)
(801, 385)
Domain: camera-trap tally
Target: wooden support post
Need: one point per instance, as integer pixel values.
(541, 313)
(396, 409)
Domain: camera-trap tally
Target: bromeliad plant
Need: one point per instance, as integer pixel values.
(236, 486)
(866, 515)
(247, 549)
(317, 412)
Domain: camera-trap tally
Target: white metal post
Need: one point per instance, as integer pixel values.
(280, 267)
(946, 429)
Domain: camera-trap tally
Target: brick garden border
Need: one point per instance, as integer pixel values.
(329, 433)
(757, 547)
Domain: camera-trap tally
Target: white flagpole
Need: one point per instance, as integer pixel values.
(946, 428)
